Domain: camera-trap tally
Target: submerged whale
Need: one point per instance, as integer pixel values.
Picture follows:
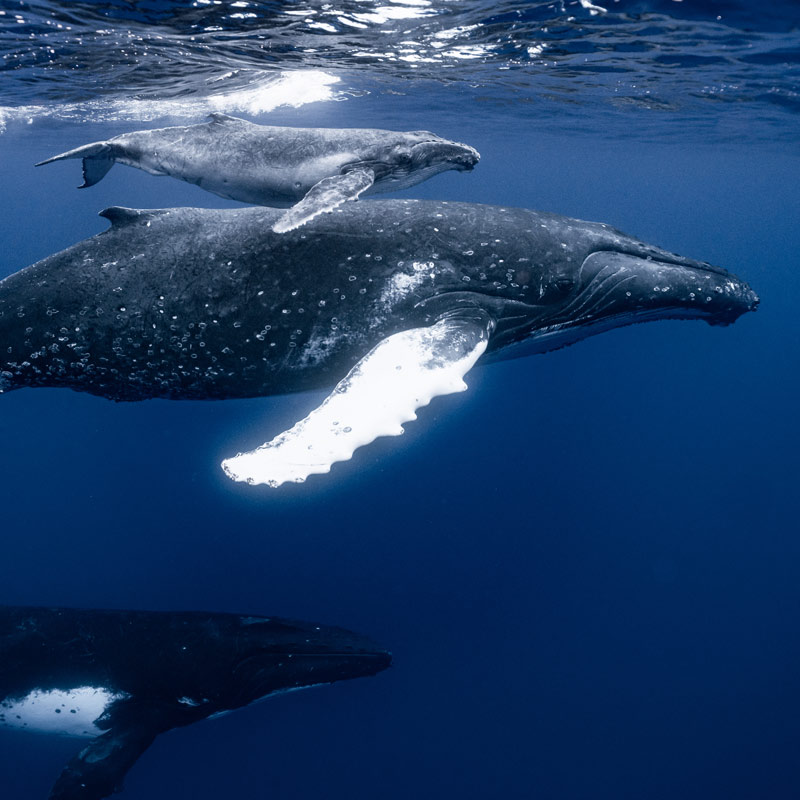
(122, 678)
(316, 168)
(394, 299)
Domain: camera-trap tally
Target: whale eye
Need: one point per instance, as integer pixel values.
(404, 159)
(564, 285)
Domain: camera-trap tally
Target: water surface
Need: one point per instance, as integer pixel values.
(587, 565)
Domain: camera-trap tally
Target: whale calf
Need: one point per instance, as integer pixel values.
(315, 168)
(121, 678)
(391, 301)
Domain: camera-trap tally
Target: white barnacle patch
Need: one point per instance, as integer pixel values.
(68, 712)
(322, 343)
(592, 8)
(191, 702)
(402, 284)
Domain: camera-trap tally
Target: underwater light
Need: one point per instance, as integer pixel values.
(264, 93)
(296, 88)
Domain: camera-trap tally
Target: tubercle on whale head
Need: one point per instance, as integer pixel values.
(604, 290)
(613, 289)
(448, 154)
(277, 634)
(420, 153)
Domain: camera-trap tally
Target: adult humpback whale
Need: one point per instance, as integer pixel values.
(124, 677)
(271, 166)
(396, 300)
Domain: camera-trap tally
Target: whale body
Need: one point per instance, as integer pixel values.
(121, 678)
(315, 168)
(394, 300)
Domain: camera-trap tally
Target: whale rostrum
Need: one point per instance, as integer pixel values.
(121, 678)
(314, 170)
(390, 302)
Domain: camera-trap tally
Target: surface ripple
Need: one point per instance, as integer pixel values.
(659, 56)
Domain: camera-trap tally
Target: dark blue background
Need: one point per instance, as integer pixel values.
(587, 566)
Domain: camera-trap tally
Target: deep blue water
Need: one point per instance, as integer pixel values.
(587, 566)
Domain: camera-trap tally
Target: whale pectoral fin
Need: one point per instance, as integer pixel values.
(325, 196)
(401, 374)
(98, 770)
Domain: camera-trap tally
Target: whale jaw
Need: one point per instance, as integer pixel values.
(613, 290)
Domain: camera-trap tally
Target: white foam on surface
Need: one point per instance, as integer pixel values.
(592, 8)
(265, 92)
(384, 390)
(68, 712)
(293, 89)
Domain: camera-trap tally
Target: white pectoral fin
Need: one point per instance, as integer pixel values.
(325, 196)
(401, 374)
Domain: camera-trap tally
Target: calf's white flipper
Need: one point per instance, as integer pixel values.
(324, 196)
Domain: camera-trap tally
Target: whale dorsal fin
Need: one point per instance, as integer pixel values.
(120, 216)
(220, 119)
(98, 770)
(399, 375)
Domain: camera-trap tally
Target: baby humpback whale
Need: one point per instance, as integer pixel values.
(317, 169)
(394, 299)
(122, 678)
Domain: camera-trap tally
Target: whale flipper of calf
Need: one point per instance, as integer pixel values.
(317, 169)
(122, 678)
(394, 299)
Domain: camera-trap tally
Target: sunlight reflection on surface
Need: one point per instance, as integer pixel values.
(267, 91)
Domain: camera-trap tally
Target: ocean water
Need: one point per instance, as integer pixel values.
(587, 566)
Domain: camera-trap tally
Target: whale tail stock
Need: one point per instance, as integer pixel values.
(97, 161)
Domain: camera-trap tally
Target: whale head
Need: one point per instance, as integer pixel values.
(443, 154)
(277, 655)
(420, 155)
(610, 289)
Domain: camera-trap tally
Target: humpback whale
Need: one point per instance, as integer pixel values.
(121, 678)
(315, 168)
(391, 301)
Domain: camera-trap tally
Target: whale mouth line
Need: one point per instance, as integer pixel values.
(591, 314)
(657, 256)
(344, 654)
(680, 300)
(632, 318)
(379, 654)
(591, 310)
(451, 155)
(562, 334)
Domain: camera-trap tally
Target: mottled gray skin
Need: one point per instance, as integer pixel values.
(276, 166)
(192, 303)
